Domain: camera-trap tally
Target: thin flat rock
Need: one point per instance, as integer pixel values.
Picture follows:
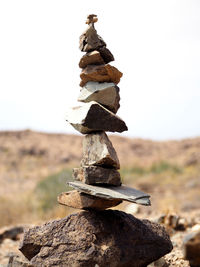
(113, 192)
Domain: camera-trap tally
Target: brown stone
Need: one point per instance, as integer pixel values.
(100, 73)
(92, 117)
(192, 248)
(78, 200)
(90, 40)
(96, 238)
(97, 175)
(106, 54)
(92, 58)
(98, 150)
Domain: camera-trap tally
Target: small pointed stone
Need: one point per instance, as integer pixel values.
(106, 94)
(90, 40)
(100, 73)
(91, 58)
(99, 151)
(93, 117)
(78, 200)
(97, 175)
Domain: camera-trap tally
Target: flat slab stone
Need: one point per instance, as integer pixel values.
(113, 192)
(106, 94)
(97, 175)
(99, 151)
(92, 117)
(78, 200)
(91, 58)
(100, 73)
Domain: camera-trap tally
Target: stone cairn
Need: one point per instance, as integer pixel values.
(97, 237)
(97, 181)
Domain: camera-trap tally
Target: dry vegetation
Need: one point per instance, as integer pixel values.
(34, 168)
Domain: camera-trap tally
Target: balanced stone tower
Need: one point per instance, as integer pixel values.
(97, 180)
(97, 237)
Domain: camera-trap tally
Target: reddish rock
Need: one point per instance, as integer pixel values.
(78, 200)
(100, 73)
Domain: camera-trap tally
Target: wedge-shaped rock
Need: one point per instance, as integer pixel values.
(92, 58)
(100, 73)
(97, 175)
(90, 40)
(92, 117)
(99, 151)
(106, 54)
(78, 200)
(113, 192)
(106, 94)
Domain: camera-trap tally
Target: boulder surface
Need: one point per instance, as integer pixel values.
(96, 238)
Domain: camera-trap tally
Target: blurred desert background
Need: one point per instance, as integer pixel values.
(35, 166)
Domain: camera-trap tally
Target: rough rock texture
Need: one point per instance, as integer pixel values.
(192, 248)
(106, 238)
(92, 58)
(113, 192)
(90, 40)
(80, 200)
(97, 175)
(98, 150)
(100, 73)
(92, 117)
(106, 94)
(16, 261)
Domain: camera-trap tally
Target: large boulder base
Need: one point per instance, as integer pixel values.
(78, 200)
(100, 73)
(106, 94)
(97, 175)
(98, 150)
(96, 238)
(92, 117)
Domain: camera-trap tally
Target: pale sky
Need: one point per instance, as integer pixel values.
(156, 45)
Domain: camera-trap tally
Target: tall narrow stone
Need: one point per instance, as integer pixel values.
(99, 151)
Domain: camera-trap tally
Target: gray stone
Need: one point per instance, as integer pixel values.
(78, 200)
(92, 117)
(106, 94)
(92, 58)
(96, 238)
(90, 40)
(113, 192)
(99, 151)
(97, 175)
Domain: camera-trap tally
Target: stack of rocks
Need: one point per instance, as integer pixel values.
(97, 181)
(97, 237)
